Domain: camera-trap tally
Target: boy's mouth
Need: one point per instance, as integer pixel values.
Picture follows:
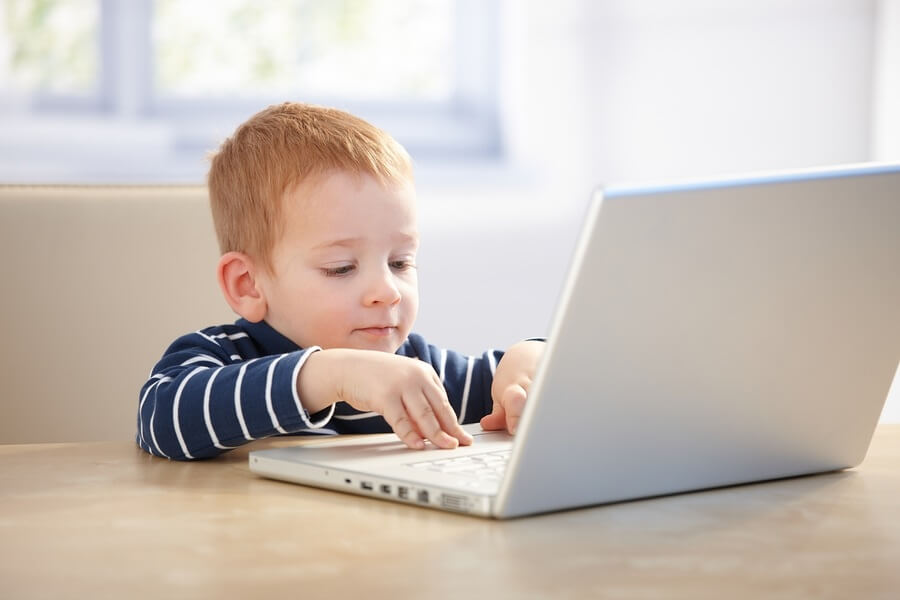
(380, 331)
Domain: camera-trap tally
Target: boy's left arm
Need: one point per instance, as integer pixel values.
(512, 380)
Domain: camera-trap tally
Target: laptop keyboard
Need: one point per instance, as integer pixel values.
(486, 467)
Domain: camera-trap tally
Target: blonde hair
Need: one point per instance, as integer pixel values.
(280, 147)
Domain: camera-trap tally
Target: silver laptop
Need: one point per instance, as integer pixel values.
(708, 334)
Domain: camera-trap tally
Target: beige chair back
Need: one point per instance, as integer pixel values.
(96, 281)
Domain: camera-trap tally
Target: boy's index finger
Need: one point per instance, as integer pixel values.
(445, 415)
(422, 412)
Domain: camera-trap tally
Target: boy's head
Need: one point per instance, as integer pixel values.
(280, 147)
(314, 210)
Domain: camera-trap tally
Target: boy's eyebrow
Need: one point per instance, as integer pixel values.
(412, 238)
(353, 241)
(348, 242)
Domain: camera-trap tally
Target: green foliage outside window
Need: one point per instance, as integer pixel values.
(49, 45)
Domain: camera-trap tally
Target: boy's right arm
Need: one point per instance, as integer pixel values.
(407, 392)
(204, 397)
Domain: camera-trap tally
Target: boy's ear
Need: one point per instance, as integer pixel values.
(236, 273)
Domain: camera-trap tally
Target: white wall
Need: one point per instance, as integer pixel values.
(886, 122)
(886, 100)
(700, 86)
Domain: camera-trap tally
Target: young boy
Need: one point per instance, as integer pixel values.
(315, 215)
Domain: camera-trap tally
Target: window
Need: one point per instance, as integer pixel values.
(178, 76)
(350, 49)
(51, 47)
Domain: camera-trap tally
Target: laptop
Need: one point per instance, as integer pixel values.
(708, 333)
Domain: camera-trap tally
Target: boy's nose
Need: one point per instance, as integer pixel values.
(382, 289)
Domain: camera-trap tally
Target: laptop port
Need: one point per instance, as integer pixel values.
(422, 496)
(454, 502)
(385, 488)
(366, 485)
(403, 492)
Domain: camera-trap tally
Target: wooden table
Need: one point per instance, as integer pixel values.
(104, 520)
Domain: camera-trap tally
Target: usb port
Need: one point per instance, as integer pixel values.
(366, 485)
(385, 488)
(403, 492)
(422, 496)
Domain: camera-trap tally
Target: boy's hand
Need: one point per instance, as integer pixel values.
(407, 392)
(511, 383)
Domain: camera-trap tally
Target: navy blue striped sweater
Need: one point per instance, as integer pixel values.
(224, 386)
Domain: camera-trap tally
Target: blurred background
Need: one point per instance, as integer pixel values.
(514, 111)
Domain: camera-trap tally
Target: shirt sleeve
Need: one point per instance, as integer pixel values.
(467, 379)
(201, 400)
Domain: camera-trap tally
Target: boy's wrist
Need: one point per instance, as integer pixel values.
(315, 381)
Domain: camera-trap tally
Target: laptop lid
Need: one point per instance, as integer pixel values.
(715, 333)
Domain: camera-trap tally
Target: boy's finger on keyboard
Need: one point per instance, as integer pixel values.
(512, 423)
(413, 441)
(403, 426)
(445, 415)
(514, 404)
(424, 418)
(494, 421)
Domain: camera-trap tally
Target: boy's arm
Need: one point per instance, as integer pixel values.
(202, 399)
(405, 392)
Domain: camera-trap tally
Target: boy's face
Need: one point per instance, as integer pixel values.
(344, 270)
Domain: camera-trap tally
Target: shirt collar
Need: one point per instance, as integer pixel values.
(266, 338)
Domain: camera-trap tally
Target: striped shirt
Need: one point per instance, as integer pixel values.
(224, 386)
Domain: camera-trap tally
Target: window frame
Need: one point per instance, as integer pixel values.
(465, 127)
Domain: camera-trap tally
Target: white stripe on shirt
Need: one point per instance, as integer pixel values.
(232, 336)
(206, 416)
(237, 401)
(175, 403)
(269, 375)
(162, 379)
(304, 414)
(491, 362)
(153, 433)
(202, 358)
(206, 337)
(465, 398)
(365, 415)
(443, 367)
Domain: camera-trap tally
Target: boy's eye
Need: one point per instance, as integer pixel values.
(401, 265)
(338, 271)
